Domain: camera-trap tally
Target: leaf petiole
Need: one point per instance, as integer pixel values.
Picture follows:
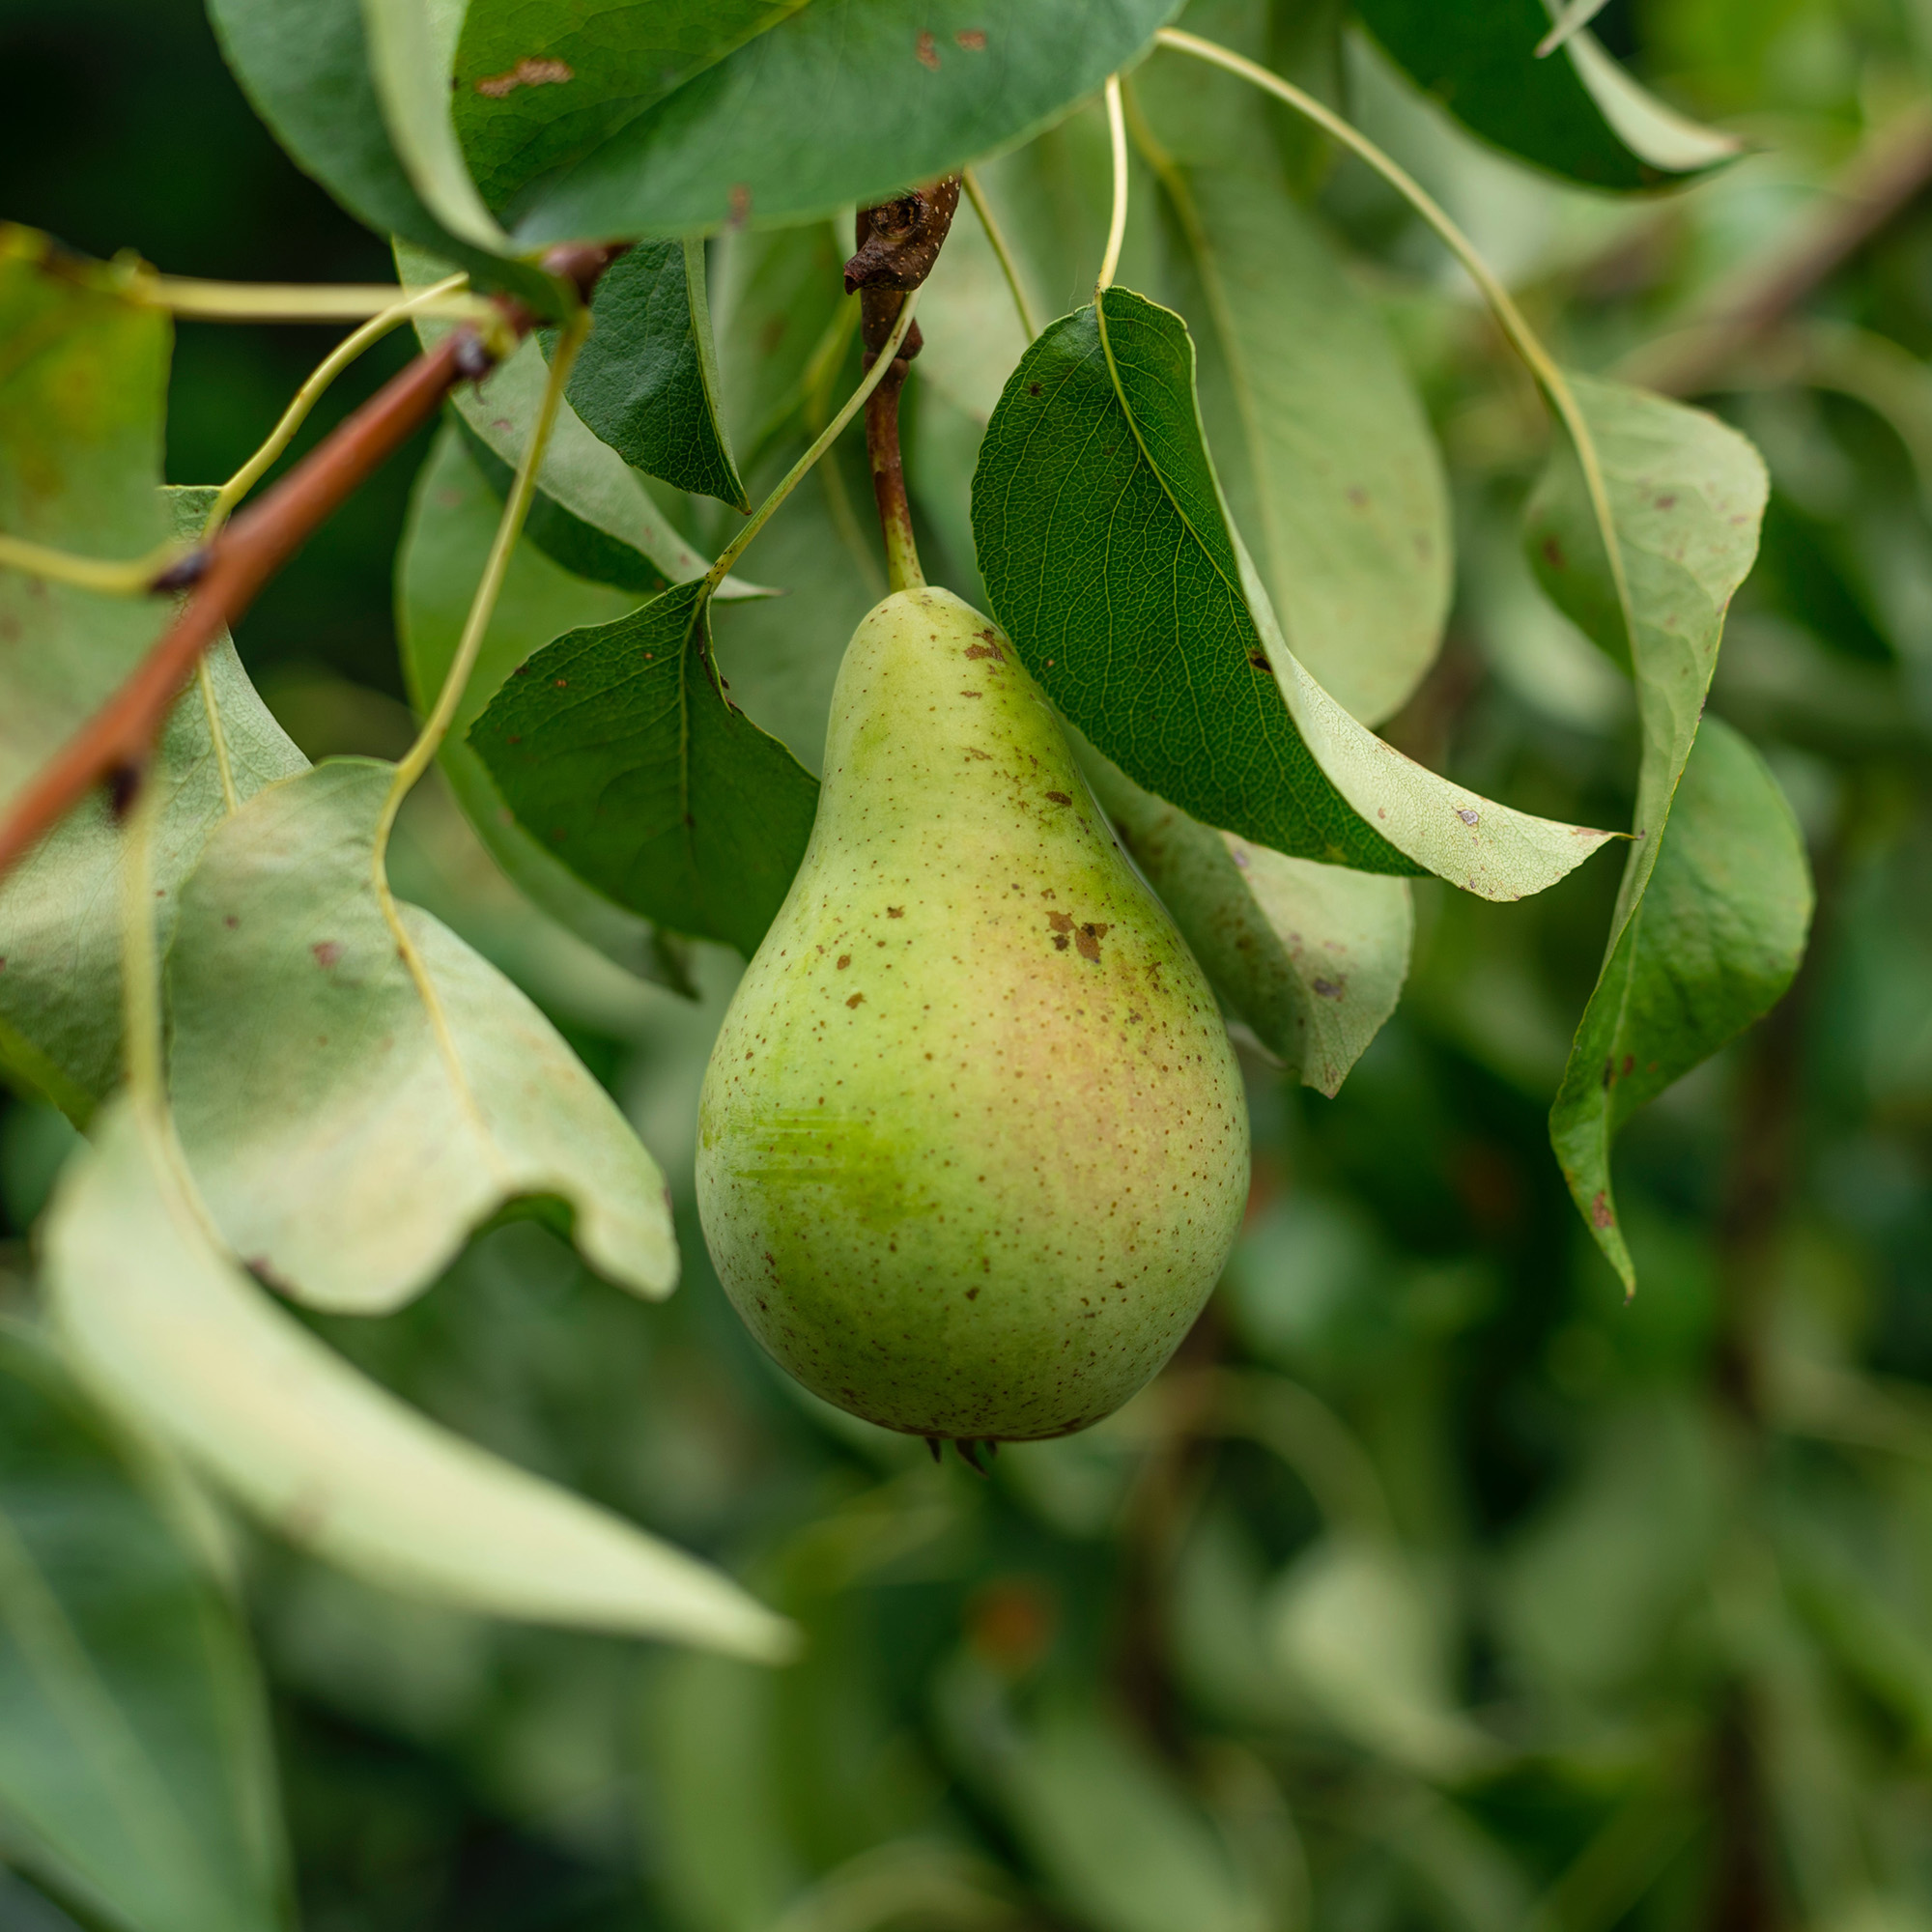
(110, 577)
(1117, 224)
(306, 398)
(483, 604)
(197, 300)
(1002, 251)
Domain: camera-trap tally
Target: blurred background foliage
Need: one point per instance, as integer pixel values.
(1434, 1585)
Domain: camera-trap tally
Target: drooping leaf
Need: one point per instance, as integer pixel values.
(1313, 957)
(646, 380)
(1110, 560)
(1321, 443)
(169, 1332)
(591, 511)
(453, 520)
(136, 1776)
(1710, 946)
(1480, 63)
(536, 89)
(619, 748)
(1653, 130)
(843, 101)
(411, 47)
(82, 383)
(1687, 498)
(310, 68)
(357, 1096)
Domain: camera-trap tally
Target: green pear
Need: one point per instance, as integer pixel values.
(972, 1147)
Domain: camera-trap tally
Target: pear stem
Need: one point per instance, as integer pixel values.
(882, 448)
(898, 241)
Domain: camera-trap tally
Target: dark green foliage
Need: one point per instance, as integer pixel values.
(646, 382)
(134, 1773)
(892, 92)
(618, 749)
(1109, 560)
(1437, 1589)
(1480, 63)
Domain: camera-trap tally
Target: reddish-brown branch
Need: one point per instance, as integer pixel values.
(1881, 180)
(114, 745)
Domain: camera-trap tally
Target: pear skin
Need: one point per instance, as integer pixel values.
(972, 1146)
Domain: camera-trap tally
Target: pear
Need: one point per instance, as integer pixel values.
(972, 1145)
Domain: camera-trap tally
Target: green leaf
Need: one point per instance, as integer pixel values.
(82, 386)
(1324, 448)
(647, 780)
(1687, 498)
(538, 88)
(322, 74)
(1710, 946)
(454, 518)
(646, 380)
(1313, 957)
(1577, 113)
(136, 1774)
(591, 511)
(60, 990)
(352, 1113)
(1364, 1642)
(173, 1335)
(844, 102)
(1111, 563)
(412, 45)
(1114, 1838)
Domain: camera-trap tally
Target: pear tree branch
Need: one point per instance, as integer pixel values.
(225, 575)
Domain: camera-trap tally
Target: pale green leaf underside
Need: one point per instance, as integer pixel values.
(593, 511)
(1687, 498)
(408, 61)
(1110, 559)
(136, 1778)
(335, 97)
(1712, 946)
(83, 377)
(1312, 957)
(1687, 495)
(173, 1335)
(83, 387)
(348, 1125)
